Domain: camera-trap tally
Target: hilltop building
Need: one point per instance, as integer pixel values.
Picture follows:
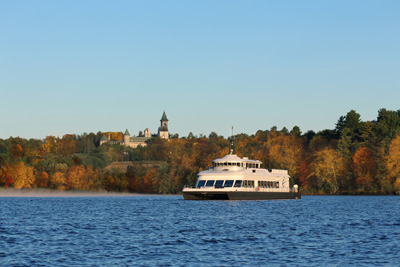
(163, 129)
(141, 140)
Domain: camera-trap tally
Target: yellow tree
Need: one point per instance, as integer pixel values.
(328, 166)
(90, 179)
(49, 145)
(393, 162)
(58, 181)
(67, 145)
(21, 175)
(75, 177)
(285, 151)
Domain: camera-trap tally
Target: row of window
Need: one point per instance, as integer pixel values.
(218, 183)
(268, 184)
(238, 164)
(237, 183)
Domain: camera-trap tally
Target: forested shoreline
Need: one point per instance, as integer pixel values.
(356, 157)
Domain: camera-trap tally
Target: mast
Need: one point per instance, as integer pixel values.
(231, 149)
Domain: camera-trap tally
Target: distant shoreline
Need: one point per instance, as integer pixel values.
(10, 192)
(41, 192)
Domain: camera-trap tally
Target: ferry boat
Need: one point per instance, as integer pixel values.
(235, 178)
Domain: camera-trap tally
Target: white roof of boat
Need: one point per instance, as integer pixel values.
(235, 158)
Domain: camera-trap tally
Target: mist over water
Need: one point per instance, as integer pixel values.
(168, 231)
(10, 192)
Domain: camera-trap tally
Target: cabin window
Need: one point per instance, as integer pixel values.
(210, 183)
(201, 183)
(219, 183)
(228, 183)
(248, 183)
(238, 183)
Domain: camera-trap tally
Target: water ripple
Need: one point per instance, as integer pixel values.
(167, 231)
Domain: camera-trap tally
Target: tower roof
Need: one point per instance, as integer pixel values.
(126, 132)
(164, 117)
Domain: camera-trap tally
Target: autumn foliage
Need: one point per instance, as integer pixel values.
(354, 158)
(364, 168)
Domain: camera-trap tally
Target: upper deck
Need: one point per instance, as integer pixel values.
(233, 165)
(232, 161)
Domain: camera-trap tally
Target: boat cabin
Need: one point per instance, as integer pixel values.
(235, 163)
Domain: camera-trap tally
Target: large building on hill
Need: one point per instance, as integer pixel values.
(135, 141)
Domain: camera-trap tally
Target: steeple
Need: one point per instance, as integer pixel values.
(163, 129)
(164, 117)
(164, 122)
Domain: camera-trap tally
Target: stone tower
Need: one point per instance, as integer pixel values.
(163, 129)
(147, 133)
(126, 138)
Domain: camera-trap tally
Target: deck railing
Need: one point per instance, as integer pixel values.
(246, 189)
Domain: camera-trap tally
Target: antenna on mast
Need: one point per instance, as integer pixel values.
(231, 150)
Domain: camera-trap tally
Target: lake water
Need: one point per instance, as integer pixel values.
(168, 231)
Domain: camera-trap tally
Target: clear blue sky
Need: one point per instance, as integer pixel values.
(89, 66)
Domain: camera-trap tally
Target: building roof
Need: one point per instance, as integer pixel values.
(139, 139)
(164, 117)
(126, 132)
(103, 138)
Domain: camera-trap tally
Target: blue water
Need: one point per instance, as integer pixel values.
(168, 231)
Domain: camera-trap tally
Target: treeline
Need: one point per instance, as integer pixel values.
(355, 157)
